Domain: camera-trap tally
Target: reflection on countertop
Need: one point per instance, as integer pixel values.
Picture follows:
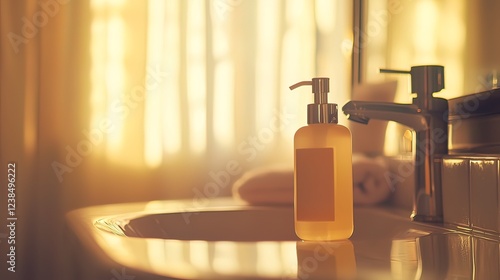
(385, 244)
(449, 255)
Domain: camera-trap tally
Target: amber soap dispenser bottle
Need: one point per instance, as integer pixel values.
(323, 202)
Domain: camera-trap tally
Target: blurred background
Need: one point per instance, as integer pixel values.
(110, 101)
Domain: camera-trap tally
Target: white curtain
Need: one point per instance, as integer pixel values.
(109, 101)
(194, 86)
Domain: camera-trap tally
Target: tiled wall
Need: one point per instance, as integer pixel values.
(471, 192)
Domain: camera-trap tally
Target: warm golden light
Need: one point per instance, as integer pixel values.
(196, 76)
(199, 255)
(108, 95)
(225, 258)
(162, 113)
(156, 254)
(267, 50)
(223, 87)
(153, 102)
(427, 32)
(98, 93)
(115, 79)
(269, 258)
(298, 61)
(425, 36)
(326, 12)
(223, 119)
(205, 79)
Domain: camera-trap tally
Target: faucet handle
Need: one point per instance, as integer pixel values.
(393, 71)
(425, 80)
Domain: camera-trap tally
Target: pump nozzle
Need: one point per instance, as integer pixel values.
(299, 84)
(320, 88)
(321, 111)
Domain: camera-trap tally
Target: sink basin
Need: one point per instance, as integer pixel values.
(247, 224)
(226, 239)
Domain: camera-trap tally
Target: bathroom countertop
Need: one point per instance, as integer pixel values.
(227, 239)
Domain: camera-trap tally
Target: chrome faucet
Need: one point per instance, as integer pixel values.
(428, 117)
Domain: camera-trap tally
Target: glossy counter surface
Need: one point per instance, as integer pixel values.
(225, 239)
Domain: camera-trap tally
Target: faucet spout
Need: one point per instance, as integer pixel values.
(406, 114)
(428, 117)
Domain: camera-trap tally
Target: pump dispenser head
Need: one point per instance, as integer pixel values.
(320, 111)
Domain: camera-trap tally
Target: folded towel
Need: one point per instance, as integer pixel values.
(371, 185)
(274, 185)
(270, 185)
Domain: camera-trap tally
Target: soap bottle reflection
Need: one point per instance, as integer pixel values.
(326, 260)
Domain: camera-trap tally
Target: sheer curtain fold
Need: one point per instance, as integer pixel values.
(216, 78)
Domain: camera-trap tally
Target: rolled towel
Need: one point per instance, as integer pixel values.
(369, 179)
(274, 185)
(269, 185)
